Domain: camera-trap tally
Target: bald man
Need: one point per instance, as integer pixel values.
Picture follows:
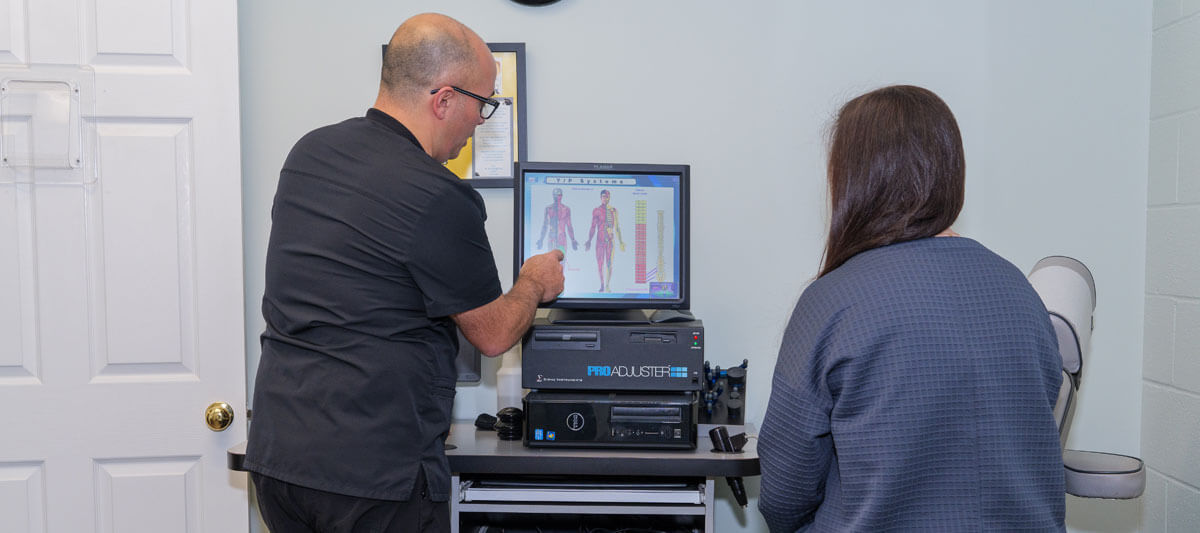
(377, 253)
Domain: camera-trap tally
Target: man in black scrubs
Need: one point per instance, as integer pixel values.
(377, 253)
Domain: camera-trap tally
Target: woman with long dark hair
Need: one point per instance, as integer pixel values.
(916, 380)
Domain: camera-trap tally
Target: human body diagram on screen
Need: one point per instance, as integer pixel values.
(606, 227)
(605, 265)
(557, 219)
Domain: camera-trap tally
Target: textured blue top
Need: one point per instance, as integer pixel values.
(915, 390)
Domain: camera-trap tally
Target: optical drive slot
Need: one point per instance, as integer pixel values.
(566, 336)
(645, 414)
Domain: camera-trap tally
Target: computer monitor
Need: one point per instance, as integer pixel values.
(629, 224)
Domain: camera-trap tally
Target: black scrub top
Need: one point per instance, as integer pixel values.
(373, 245)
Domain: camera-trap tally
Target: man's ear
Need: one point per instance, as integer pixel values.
(440, 103)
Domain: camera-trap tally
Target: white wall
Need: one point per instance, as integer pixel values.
(1052, 101)
(1171, 386)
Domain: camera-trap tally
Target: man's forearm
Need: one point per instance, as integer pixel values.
(522, 301)
(497, 326)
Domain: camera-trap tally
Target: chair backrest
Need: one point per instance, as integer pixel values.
(1069, 293)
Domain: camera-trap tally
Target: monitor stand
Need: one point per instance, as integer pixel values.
(671, 315)
(597, 316)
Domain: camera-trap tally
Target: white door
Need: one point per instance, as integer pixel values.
(120, 266)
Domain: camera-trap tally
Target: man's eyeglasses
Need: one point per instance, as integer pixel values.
(489, 104)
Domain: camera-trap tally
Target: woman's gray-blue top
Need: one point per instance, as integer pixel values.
(915, 390)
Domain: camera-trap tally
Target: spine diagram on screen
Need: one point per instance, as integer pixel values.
(639, 241)
(660, 270)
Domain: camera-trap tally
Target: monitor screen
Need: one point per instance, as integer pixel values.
(622, 228)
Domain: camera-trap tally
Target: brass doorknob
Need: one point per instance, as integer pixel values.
(218, 416)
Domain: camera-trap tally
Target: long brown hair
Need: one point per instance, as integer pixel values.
(896, 171)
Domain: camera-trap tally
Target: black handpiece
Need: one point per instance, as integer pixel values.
(722, 443)
(485, 421)
(510, 423)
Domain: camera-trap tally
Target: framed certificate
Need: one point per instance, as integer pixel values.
(487, 159)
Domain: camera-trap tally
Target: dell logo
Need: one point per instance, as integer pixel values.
(575, 421)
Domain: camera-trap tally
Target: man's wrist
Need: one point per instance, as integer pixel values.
(530, 286)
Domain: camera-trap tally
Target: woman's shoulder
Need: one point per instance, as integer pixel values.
(910, 266)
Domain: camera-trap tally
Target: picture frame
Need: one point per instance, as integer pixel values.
(485, 160)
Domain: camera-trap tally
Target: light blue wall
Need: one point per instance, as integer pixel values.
(1052, 98)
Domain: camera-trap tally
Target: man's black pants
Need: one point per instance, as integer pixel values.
(288, 508)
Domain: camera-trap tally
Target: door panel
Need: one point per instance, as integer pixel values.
(18, 336)
(148, 494)
(145, 227)
(13, 30)
(159, 38)
(21, 497)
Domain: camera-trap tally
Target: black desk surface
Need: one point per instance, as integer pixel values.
(481, 452)
(473, 451)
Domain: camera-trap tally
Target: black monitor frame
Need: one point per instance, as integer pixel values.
(683, 230)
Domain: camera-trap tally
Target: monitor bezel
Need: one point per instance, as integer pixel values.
(683, 230)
